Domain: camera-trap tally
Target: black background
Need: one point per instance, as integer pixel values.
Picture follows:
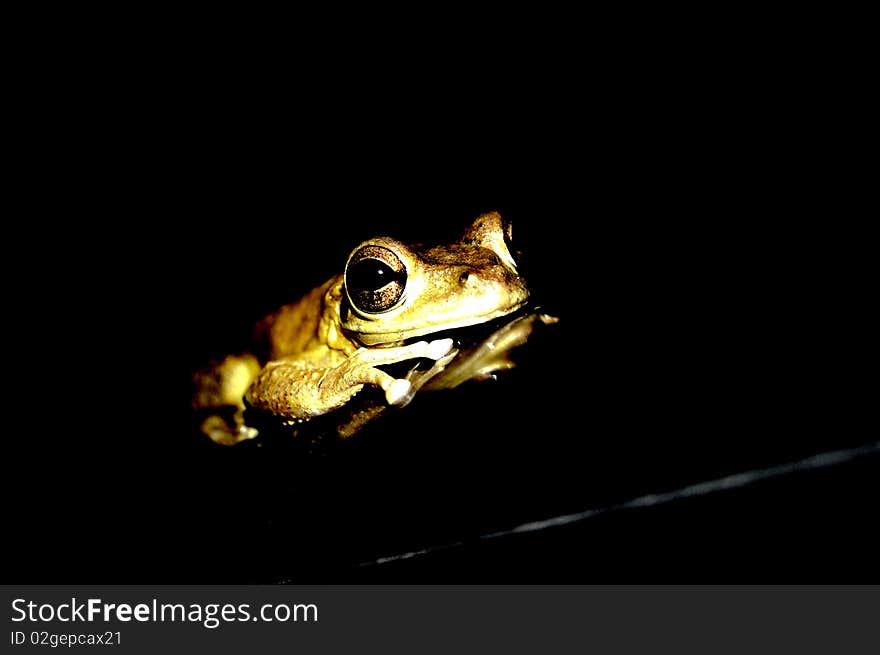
(689, 266)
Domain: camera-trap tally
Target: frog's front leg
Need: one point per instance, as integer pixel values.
(297, 388)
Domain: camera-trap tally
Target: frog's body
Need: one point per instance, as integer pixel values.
(321, 350)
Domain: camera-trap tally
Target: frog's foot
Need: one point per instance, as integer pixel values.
(399, 392)
(361, 367)
(493, 354)
(438, 348)
(407, 388)
(402, 390)
(221, 432)
(218, 394)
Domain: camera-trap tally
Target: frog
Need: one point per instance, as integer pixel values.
(394, 304)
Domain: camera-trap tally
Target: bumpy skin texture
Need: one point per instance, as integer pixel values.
(321, 350)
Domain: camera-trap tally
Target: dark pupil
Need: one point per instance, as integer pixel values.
(370, 275)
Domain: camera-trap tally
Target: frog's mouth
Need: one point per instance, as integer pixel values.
(452, 329)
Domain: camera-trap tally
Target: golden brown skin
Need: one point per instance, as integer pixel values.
(325, 347)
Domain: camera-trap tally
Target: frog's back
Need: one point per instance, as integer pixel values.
(292, 329)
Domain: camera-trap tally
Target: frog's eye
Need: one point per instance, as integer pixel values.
(374, 279)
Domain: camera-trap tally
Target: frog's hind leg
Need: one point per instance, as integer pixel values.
(219, 394)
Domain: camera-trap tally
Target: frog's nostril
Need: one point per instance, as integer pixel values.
(464, 277)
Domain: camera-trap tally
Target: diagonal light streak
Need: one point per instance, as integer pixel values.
(726, 483)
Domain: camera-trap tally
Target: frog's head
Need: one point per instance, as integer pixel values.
(396, 291)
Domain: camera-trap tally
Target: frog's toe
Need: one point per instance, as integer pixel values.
(246, 432)
(221, 432)
(439, 348)
(398, 392)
